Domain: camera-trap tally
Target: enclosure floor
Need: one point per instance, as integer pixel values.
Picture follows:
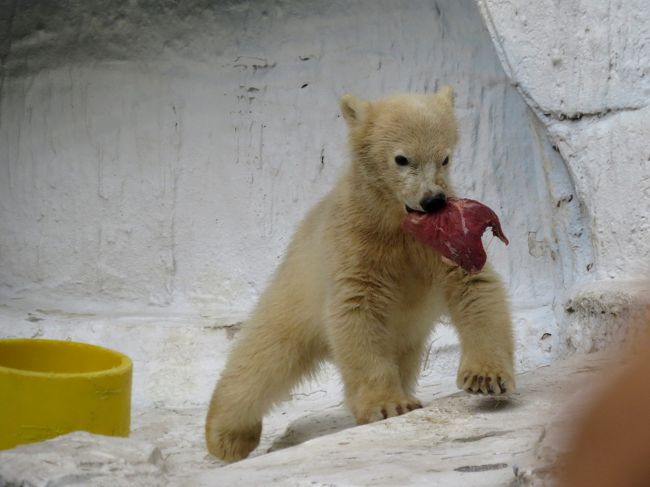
(457, 439)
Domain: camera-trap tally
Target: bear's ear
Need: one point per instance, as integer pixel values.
(354, 110)
(447, 92)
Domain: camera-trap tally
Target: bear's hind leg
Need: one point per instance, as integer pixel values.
(266, 362)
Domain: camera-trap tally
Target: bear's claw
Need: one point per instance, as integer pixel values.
(387, 409)
(488, 382)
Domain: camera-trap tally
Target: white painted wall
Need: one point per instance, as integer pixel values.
(582, 67)
(155, 158)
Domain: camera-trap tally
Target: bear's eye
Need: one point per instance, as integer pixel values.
(446, 161)
(401, 161)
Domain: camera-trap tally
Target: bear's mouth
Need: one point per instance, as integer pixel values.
(411, 210)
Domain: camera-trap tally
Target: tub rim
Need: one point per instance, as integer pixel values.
(124, 366)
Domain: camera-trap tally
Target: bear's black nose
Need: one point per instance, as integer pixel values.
(433, 202)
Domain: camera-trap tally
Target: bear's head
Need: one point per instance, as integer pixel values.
(401, 149)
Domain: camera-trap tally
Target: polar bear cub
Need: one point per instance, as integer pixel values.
(354, 288)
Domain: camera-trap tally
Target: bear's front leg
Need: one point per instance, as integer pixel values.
(364, 347)
(479, 310)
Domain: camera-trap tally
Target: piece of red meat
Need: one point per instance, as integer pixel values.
(455, 231)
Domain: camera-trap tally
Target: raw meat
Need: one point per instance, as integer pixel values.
(455, 231)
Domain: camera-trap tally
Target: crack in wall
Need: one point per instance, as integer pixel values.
(579, 115)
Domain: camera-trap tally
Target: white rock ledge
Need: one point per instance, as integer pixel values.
(457, 439)
(82, 458)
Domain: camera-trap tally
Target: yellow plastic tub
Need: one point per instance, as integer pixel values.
(52, 387)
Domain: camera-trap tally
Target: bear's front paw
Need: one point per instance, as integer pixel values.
(485, 377)
(377, 410)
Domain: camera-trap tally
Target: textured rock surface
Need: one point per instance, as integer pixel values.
(602, 66)
(457, 439)
(82, 459)
(591, 91)
(605, 313)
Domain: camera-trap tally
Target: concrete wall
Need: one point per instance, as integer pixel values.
(582, 67)
(156, 157)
